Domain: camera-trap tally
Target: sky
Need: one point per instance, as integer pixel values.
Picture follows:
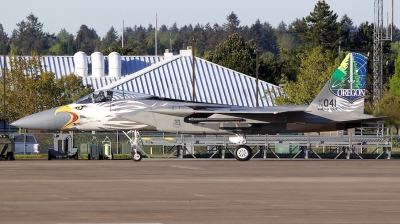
(101, 15)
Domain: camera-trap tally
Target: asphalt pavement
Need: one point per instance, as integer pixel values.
(200, 191)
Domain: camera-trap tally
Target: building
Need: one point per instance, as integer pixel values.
(168, 76)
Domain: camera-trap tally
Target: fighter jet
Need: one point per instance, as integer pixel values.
(338, 106)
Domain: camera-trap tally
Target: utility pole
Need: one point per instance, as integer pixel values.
(123, 33)
(391, 25)
(156, 35)
(257, 51)
(4, 84)
(193, 70)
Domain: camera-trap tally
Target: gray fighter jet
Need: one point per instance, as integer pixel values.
(338, 106)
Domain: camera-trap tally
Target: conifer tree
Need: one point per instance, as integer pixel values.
(320, 28)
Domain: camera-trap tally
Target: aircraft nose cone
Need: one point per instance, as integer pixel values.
(44, 120)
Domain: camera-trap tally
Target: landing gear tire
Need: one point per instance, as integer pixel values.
(136, 157)
(243, 153)
(89, 156)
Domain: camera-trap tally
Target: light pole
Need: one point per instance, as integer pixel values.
(193, 70)
(4, 84)
(257, 51)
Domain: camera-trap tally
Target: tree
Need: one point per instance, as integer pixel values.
(269, 41)
(395, 47)
(174, 29)
(320, 28)
(70, 88)
(317, 66)
(30, 89)
(270, 70)
(235, 54)
(86, 40)
(232, 25)
(200, 35)
(110, 38)
(71, 46)
(142, 42)
(138, 30)
(126, 50)
(264, 37)
(3, 37)
(60, 45)
(363, 38)
(30, 37)
(395, 80)
(348, 32)
(285, 39)
(63, 35)
(181, 41)
(389, 106)
(128, 31)
(396, 33)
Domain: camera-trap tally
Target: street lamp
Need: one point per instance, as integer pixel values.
(257, 51)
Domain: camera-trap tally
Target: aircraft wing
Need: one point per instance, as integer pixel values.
(250, 110)
(201, 109)
(196, 113)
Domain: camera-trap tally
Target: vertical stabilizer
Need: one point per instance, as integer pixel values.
(345, 90)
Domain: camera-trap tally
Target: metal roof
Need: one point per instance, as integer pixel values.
(64, 65)
(171, 77)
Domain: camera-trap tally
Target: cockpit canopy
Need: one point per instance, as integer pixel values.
(106, 95)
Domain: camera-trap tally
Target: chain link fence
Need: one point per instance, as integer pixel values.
(119, 144)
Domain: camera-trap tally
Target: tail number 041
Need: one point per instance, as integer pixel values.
(327, 103)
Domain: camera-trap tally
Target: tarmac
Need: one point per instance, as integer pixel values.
(200, 191)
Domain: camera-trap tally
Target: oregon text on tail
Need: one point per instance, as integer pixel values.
(345, 91)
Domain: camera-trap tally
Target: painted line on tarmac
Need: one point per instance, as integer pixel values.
(185, 167)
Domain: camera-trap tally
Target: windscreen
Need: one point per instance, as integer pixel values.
(110, 95)
(28, 138)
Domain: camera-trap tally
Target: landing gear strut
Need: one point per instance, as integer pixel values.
(136, 155)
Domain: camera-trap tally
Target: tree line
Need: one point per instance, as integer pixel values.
(301, 55)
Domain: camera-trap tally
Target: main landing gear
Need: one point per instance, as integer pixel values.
(243, 153)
